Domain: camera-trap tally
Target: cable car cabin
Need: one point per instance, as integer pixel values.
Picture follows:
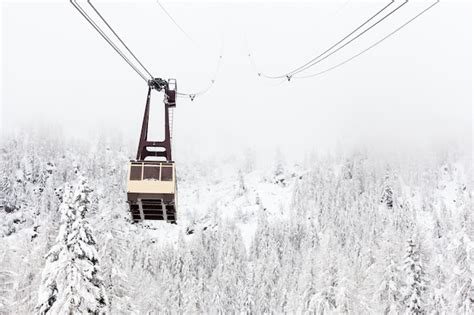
(151, 183)
(151, 190)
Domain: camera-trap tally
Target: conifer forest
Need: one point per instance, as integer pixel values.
(331, 235)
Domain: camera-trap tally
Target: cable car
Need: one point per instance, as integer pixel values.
(151, 185)
(151, 182)
(151, 190)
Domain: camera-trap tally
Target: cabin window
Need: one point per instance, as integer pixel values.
(167, 173)
(151, 172)
(136, 172)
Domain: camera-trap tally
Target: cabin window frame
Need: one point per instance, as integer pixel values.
(168, 178)
(148, 170)
(134, 172)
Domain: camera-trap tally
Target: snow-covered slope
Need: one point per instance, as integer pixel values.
(349, 234)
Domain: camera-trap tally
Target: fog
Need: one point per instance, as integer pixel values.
(413, 91)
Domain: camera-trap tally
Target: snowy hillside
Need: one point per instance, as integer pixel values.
(349, 234)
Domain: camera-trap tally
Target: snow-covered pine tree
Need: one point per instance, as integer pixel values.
(228, 279)
(462, 279)
(116, 280)
(438, 290)
(7, 282)
(29, 277)
(415, 282)
(241, 188)
(3, 187)
(307, 284)
(387, 192)
(388, 292)
(278, 176)
(71, 283)
(249, 304)
(327, 295)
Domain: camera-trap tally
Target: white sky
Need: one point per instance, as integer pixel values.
(413, 91)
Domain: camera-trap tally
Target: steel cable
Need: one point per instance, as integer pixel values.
(174, 21)
(311, 63)
(333, 46)
(371, 46)
(352, 40)
(193, 95)
(81, 10)
(250, 55)
(99, 30)
(118, 37)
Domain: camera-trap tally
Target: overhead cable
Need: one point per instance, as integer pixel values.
(349, 42)
(118, 37)
(81, 10)
(174, 21)
(107, 39)
(193, 95)
(333, 46)
(371, 46)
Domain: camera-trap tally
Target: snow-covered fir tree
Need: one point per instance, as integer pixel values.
(71, 281)
(390, 296)
(415, 279)
(462, 275)
(387, 193)
(7, 286)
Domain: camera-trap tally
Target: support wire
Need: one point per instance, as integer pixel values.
(107, 39)
(371, 46)
(174, 21)
(118, 37)
(352, 40)
(330, 48)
